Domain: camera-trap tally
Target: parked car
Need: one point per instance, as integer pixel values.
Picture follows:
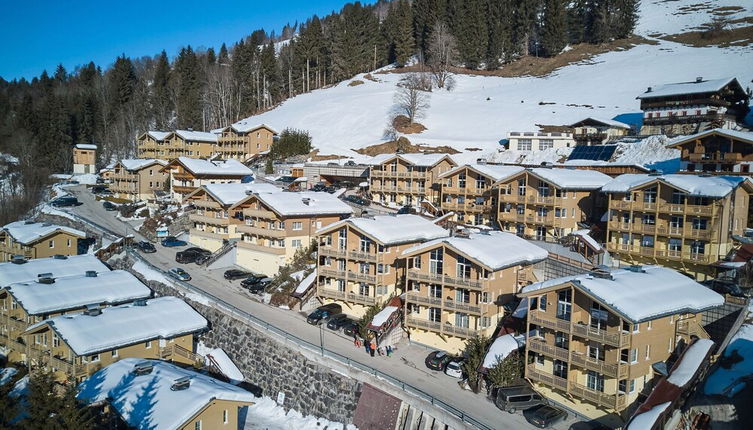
(726, 287)
(98, 189)
(437, 360)
(516, 398)
(338, 321)
(67, 201)
(545, 416)
(357, 200)
(454, 368)
(405, 210)
(588, 425)
(234, 274)
(191, 255)
(146, 247)
(109, 206)
(350, 328)
(180, 274)
(172, 241)
(259, 286)
(251, 280)
(322, 313)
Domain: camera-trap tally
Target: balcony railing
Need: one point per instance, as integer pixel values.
(259, 213)
(541, 347)
(424, 324)
(424, 300)
(447, 280)
(365, 277)
(440, 327)
(261, 248)
(609, 337)
(332, 252)
(611, 370)
(362, 256)
(208, 219)
(258, 231)
(208, 234)
(332, 273)
(346, 296)
(546, 378)
(610, 401)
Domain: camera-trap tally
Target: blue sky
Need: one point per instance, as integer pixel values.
(39, 34)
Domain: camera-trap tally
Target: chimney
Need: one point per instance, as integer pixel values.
(93, 311)
(649, 89)
(181, 383)
(143, 368)
(18, 259)
(45, 278)
(699, 79)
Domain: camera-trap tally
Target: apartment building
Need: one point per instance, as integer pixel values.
(212, 224)
(679, 221)
(598, 131)
(243, 140)
(30, 239)
(718, 152)
(25, 303)
(455, 286)
(190, 143)
(407, 179)
(188, 174)
(138, 179)
(547, 203)
(179, 398)
(152, 145)
(595, 337)
(84, 159)
(78, 345)
(467, 191)
(538, 141)
(360, 259)
(274, 226)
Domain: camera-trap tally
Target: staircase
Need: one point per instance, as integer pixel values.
(221, 252)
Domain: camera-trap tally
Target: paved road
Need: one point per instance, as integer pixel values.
(407, 364)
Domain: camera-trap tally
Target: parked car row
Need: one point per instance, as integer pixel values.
(256, 284)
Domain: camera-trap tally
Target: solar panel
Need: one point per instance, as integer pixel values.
(597, 152)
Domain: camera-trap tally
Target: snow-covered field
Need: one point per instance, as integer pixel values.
(265, 414)
(677, 16)
(481, 110)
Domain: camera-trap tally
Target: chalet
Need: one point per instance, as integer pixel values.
(178, 398)
(692, 107)
(188, 174)
(29, 239)
(138, 179)
(84, 159)
(243, 141)
(717, 151)
(539, 141)
(407, 179)
(594, 338)
(152, 145)
(598, 131)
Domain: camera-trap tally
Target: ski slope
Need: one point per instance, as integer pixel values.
(481, 110)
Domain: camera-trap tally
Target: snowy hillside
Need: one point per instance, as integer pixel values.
(481, 110)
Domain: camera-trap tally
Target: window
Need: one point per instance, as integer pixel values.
(435, 291)
(297, 225)
(363, 289)
(524, 144)
(560, 369)
(485, 322)
(462, 295)
(649, 195)
(52, 244)
(632, 385)
(462, 320)
(296, 243)
(114, 353)
(342, 239)
(564, 304)
(595, 381)
(148, 344)
(542, 303)
(417, 262)
(435, 315)
(463, 268)
(224, 416)
(341, 285)
(596, 351)
(363, 268)
(546, 144)
(480, 183)
(521, 187)
(436, 258)
(365, 244)
(539, 359)
(675, 245)
(622, 386)
(678, 197)
(634, 355)
(647, 241)
(197, 425)
(649, 325)
(561, 340)
(461, 180)
(699, 223)
(599, 316)
(649, 219)
(69, 243)
(94, 358)
(698, 247)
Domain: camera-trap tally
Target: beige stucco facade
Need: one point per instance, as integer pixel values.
(242, 145)
(398, 181)
(138, 184)
(217, 414)
(469, 194)
(184, 182)
(211, 224)
(58, 243)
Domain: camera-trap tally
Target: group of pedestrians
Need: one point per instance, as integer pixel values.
(371, 347)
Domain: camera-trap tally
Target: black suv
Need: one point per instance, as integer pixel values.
(234, 274)
(62, 202)
(336, 322)
(146, 247)
(322, 313)
(192, 255)
(256, 284)
(357, 200)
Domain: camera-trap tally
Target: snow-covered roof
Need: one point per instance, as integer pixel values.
(382, 316)
(691, 360)
(604, 121)
(72, 292)
(118, 326)
(417, 159)
(85, 146)
(583, 234)
(197, 136)
(244, 126)
(139, 163)
(305, 284)
(148, 401)
(643, 294)
(230, 194)
(229, 167)
(304, 203)
(572, 179)
(692, 87)
(394, 229)
(27, 232)
(734, 134)
(158, 135)
(11, 273)
(494, 171)
(218, 357)
(694, 185)
(493, 249)
(646, 420)
(500, 349)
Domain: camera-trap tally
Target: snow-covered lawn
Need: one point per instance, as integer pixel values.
(265, 414)
(730, 381)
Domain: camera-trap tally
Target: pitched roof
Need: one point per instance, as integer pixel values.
(77, 291)
(494, 171)
(158, 135)
(393, 229)
(746, 136)
(197, 136)
(230, 194)
(27, 232)
(692, 87)
(244, 126)
(85, 146)
(305, 203)
(11, 273)
(139, 163)
(160, 318)
(694, 185)
(148, 401)
(572, 179)
(494, 249)
(643, 294)
(417, 159)
(199, 166)
(604, 121)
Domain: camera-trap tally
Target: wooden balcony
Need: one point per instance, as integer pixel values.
(332, 252)
(463, 207)
(412, 297)
(547, 379)
(260, 248)
(346, 296)
(440, 327)
(128, 177)
(332, 273)
(456, 306)
(424, 324)
(208, 234)
(204, 219)
(259, 213)
(364, 277)
(541, 347)
(614, 337)
(610, 401)
(614, 370)
(543, 200)
(363, 256)
(205, 204)
(258, 231)
(447, 280)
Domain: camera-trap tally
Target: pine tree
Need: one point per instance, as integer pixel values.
(597, 21)
(311, 46)
(8, 406)
(161, 101)
(61, 75)
(468, 24)
(401, 34)
(475, 351)
(425, 14)
(624, 17)
(42, 402)
(72, 415)
(223, 58)
(554, 30)
(211, 57)
(188, 102)
(507, 371)
(122, 82)
(577, 21)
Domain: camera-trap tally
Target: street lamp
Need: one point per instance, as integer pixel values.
(321, 339)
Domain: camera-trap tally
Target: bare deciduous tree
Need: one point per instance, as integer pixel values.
(412, 98)
(442, 54)
(222, 96)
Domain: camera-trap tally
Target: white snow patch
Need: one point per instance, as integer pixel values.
(266, 414)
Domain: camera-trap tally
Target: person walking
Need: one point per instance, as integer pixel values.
(373, 347)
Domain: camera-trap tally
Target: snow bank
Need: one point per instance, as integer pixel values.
(151, 274)
(730, 381)
(500, 349)
(646, 420)
(265, 414)
(7, 374)
(691, 361)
